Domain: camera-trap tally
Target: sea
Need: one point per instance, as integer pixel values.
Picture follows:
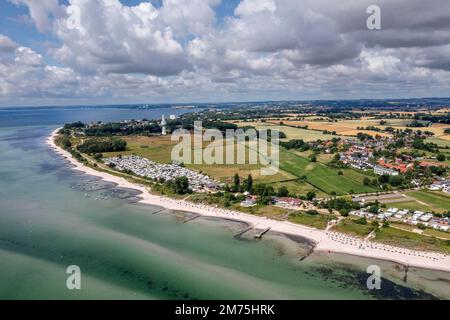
(53, 218)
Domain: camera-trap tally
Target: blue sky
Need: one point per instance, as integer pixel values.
(211, 50)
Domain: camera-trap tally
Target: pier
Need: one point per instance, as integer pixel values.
(261, 233)
(191, 218)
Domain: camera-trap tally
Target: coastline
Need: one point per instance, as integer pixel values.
(325, 241)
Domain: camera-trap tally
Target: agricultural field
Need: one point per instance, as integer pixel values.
(442, 143)
(323, 177)
(291, 133)
(349, 127)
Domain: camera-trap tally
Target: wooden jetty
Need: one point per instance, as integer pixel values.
(261, 233)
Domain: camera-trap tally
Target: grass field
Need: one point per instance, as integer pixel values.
(299, 188)
(410, 205)
(437, 201)
(323, 177)
(318, 221)
(437, 234)
(406, 239)
(159, 149)
(351, 227)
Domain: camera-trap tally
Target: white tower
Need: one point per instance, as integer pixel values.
(163, 126)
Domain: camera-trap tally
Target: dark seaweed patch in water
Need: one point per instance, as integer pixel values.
(26, 140)
(128, 277)
(150, 284)
(47, 167)
(389, 290)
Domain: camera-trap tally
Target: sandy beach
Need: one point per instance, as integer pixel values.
(326, 241)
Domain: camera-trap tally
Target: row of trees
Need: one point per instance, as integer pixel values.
(102, 145)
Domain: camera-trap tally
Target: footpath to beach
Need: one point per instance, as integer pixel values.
(326, 241)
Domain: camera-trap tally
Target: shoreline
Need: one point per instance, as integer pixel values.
(325, 241)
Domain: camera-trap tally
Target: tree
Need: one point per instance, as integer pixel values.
(103, 145)
(396, 180)
(311, 195)
(248, 185)
(180, 185)
(283, 191)
(440, 157)
(366, 181)
(313, 157)
(383, 178)
(263, 190)
(237, 180)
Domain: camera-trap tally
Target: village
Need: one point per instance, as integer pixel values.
(361, 155)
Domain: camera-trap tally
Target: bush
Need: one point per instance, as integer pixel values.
(366, 181)
(283, 191)
(362, 221)
(421, 226)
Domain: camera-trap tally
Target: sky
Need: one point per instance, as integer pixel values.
(88, 52)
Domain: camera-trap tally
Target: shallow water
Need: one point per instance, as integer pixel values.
(52, 217)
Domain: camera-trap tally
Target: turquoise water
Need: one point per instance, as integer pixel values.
(52, 217)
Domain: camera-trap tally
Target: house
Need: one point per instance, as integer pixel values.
(249, 202)
(286, 201)
(432, 164)
(392, 210)
(426, 217)
(382, 171)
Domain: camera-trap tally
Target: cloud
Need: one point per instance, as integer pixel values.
(41, 12)
(273, 49)
(6, 44)
(108, 37)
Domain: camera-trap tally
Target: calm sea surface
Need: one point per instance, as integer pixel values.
(52, 217)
